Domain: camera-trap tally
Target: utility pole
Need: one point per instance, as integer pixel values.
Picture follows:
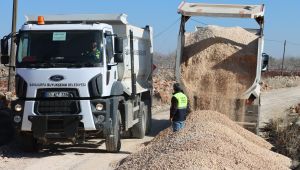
(12, 62)
(283, 57)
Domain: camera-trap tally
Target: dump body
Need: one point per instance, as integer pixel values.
(143, 55)
(251, 95)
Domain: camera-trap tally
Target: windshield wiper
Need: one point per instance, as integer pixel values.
(45, 65)
(89, 64)
(28, 65)
(35, 65)
(55, 65)
(74, 65)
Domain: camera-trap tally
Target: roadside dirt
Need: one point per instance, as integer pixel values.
(276, 103)
(278, 82)
(88, 156)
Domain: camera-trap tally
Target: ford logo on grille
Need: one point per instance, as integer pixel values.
(56, 78)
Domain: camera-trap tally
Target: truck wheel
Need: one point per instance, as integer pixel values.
(6, 128)
(139, 129)
(149, 117)
(113, 139)
(27, 142)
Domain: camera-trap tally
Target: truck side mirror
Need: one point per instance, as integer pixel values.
(119, 57)
(265, 62)
(118, 50)
(118, 45)
(4, 51)
(4, 46)
(4, 59)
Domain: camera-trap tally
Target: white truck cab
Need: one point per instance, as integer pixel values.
(81, 77)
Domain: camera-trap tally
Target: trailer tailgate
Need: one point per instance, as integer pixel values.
(221, 10)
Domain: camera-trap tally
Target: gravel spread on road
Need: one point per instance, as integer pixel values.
(210, 140)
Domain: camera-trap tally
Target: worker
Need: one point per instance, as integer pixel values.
(94, 52)
(178, 110)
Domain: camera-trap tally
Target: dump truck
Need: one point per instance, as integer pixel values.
(81, 77)
(252, 95)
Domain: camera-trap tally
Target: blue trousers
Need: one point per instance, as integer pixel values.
(177, 125)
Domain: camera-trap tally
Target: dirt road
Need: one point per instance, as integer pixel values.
(275, 102)
(93, 156)
(87, 156)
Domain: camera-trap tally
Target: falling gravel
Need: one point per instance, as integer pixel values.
(219, 65)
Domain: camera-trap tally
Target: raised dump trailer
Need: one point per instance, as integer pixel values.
(80, 77)
(249, 99)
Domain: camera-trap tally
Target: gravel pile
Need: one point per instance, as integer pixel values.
(163, 78)
(219, 65)
(163, 87)
(209, 141)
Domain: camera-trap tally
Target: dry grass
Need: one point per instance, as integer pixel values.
(284, 137)
(284, 133)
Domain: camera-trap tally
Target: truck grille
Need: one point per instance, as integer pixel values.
(54, 107)
(57, 106)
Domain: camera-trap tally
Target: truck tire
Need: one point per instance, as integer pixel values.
(6, 127)
(113, 138)
(139, 129)
(148, 117)
(27, 142)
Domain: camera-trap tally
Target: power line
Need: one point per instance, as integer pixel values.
(277, 41)
(198, 21)
(167, 28)
(172, 24)
(293, 43)
(164, 38)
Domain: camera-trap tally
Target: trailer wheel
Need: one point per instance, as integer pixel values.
(113, 139)
(139, 129)
(6, 128)
(27, 142)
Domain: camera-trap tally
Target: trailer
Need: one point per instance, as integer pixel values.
(256, 12)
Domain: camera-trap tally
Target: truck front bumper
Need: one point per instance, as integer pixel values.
(63, 127)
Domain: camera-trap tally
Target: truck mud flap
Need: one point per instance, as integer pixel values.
(55, 127)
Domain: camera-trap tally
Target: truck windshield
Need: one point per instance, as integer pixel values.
(47, 49)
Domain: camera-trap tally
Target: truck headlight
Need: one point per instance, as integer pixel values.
(18, 107)
(17, 119)
(99, 107)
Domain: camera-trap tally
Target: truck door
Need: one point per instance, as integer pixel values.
(111, 72)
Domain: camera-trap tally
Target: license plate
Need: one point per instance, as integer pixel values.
(57, 94)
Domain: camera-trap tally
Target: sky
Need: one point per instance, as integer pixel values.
(281, 18)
